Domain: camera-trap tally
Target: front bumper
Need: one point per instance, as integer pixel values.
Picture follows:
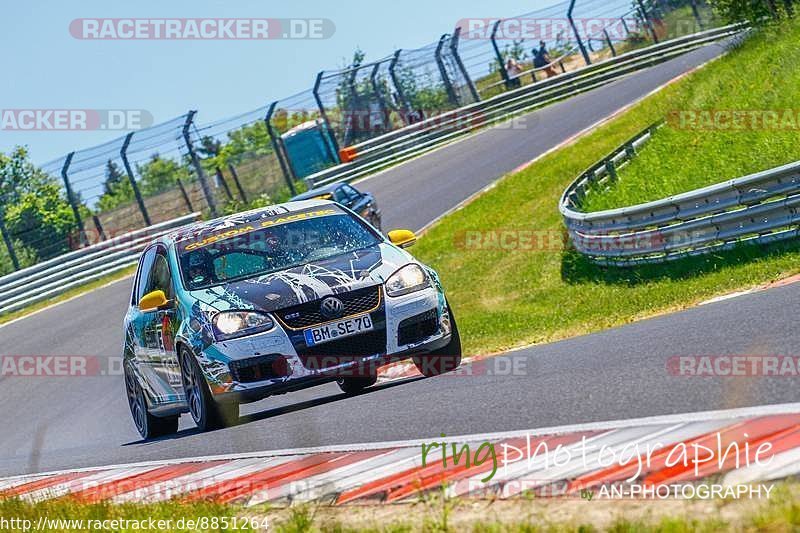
(278, 361)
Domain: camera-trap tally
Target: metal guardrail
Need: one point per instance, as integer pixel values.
(413, 140)
(57, 276)
(758, 208)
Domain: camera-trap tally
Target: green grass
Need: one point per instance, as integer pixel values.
(761, 76)
(433, 514)
(507, 298)
(59, 512)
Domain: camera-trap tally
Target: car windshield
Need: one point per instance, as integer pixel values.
(252, 250)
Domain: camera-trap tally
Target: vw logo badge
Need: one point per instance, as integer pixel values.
(331, 307)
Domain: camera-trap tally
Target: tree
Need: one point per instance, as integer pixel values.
(755, 11)
(159, 174)
(113, 177)
(34, 207)
(19, 176)
(117, 189)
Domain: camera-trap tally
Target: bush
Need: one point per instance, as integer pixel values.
(42, 221)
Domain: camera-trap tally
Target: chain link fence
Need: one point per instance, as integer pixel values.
(262, 156)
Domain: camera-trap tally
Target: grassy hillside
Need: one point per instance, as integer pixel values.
(511, 297)
(762, 77)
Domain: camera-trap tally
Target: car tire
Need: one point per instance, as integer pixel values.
(207, 413)
(148, 425)
(444, 359)
(356, 385)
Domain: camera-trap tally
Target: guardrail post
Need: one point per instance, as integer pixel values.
(499, 56)
(454, 39)
(611, 169)
(448, 86)
(277, 147)
(610, 44)
(324, 116)
(71, 198)
(136, 193)
(398, 87)
(201, 174)
(647, 21)
(7, 239)
(577, 35)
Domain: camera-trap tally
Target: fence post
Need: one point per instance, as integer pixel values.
(448, 86)
(696, 13)
(136, 193)
(239, 187)
(99, 227)
(454, 39)
(185, 195)
(221, 181)
(71, 198)
(647, 21)
(201, 174)
(381, 100)
(625, 25)
(499, 55)
(7, 239)
(577, 35)
(398, 87)
(773, 9)
(610, 44)
(277, 147)
(324, 116)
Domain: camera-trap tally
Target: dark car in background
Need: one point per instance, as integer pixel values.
(362, 203)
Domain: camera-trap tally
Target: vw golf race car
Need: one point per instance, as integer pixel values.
(274, 300)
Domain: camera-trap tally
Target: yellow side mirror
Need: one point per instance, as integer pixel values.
(402, 238)
(153, 300)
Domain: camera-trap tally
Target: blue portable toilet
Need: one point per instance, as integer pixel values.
(310, 148)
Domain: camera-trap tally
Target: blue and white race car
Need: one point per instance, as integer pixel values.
(274, 300)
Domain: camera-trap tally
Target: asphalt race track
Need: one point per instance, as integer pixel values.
(56, 423)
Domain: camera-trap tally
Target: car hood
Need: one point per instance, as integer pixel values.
(305, 283)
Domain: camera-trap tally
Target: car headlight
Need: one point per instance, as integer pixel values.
(410, 278)
(232, 324)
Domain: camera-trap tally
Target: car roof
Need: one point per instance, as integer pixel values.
(245, 217)
(319, 191)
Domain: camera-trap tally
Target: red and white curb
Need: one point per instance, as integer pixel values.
(393, 471)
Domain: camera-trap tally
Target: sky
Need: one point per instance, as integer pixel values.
(45, 67)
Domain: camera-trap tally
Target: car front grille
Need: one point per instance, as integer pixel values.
(355, 302)
(417, 328)
(344, 350)
(259, 368)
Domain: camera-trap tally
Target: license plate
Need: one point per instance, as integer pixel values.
(338, 330)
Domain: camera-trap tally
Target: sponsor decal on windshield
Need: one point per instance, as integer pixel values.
(249, 228)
